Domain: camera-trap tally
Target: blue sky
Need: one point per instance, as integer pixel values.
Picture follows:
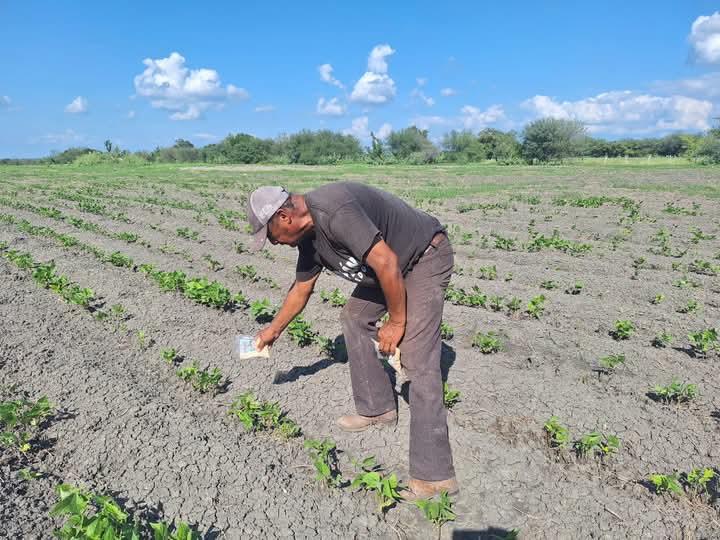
(77, 73)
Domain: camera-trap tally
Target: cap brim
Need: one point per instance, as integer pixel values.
(259, 238)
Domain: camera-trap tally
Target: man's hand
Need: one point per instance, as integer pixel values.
(389, 336)
(266, 337)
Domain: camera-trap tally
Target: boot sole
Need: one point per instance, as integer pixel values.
(365, 428)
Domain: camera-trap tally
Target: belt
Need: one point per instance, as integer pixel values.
(435, 242)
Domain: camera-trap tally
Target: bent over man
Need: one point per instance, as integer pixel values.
(401, 261)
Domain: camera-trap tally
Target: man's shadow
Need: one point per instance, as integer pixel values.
(338, 356)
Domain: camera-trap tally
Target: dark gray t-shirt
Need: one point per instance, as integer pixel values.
(349, 219)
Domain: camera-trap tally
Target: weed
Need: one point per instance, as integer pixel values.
(662, 340)
(169, 355)
(623, 329)
(240, 248)
(597, 443)
(446, 331)
(703, 341)
(574, 289)
(210, 294)
(187, 233)
(335, 298)
(698, 479)
(671, 208)
(128, 237)
(557, 434)
(691, 307)
(262, 311)
(497, 303)
(536, 306)
(487, 343)
(324, 457)
(514, 304)
(685, 282)
(698, 235)
(202, 380)
(699, 266)
(248, 273)
(549, 284)
(676, 392)
(29, 475)
(301, 332)
(213, 264)
(611, 362)
(664, 483)
(118, 259)
(437, 512)
(487, 272)
(370, 478)
(658, 299)
(450, 397)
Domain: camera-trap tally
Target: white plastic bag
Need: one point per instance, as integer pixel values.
(246, 347)
(393, 360)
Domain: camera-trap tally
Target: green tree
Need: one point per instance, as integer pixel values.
(412, 144)
(108, 145)
(551, 139)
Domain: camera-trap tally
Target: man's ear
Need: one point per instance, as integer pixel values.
(284, 216)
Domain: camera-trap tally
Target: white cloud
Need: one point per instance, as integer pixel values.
(705, 38)
(476, 119)
(77, 106)
(417, 93)
(421, 81)
(65, 137)
(5, 102)
(186, 93)
(264, 108)
(359, 128)
(622, 112)
(131, 114)
(331, 107)
(206, 136)
(427, 122)
(707, 85)
(447, 92)
(375, 86)
(384, 131)
(326, 75)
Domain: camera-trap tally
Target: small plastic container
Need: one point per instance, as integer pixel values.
(245, 348)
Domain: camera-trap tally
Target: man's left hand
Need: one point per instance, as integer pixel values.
(389, 336)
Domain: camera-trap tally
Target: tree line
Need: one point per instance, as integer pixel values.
(547, 140)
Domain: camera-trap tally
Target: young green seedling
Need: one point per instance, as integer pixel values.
(487, 272)
(450, 397)
(446, 331)
(597, 443)
(497, 303)
(658, 299)
(324, 457)
(691, 307)
(437, 512)
(623, 329)
(370, 478)
(611, 362)
(169, 355)
(301, 332)
(487, 343)
(662, 340)
(557, 434)
(664, 483)
(703, 341)
(262, 311)
(335, 298)
(575, 289)
(676, 392)
(536, 306)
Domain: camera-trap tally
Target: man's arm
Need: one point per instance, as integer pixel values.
(384, 262)
(295, 301)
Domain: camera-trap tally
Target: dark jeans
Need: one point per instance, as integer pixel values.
(430, 454)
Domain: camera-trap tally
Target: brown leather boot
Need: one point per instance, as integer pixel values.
(357, 422)
(425, 489)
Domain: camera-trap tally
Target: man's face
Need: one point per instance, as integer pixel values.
(284, 229)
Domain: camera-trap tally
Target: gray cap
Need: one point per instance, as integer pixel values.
(262, 205)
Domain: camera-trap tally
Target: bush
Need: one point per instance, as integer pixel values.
(412, 144)
(552, 139)
(98, 158)
(323, 147)
(708, 150)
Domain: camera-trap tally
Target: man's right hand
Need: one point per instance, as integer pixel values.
(266, 337)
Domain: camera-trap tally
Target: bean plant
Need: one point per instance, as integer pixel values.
(450, 397)
(324, 457)
(558, 435)
(437, 512)
(258, 416)
(202, 380)
(622, 329)
(487, 343)
(675, 392)
(703, 341)
(370, 478)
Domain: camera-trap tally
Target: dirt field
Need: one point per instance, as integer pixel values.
(127, 425)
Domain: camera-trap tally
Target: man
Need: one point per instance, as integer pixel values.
(401, 260)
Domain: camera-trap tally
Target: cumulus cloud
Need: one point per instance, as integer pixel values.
(707, 85)
(5, 102)
(77, 106)
(447, 92)
(476, 119)
(326, 75)
(206, 136)
(421, 81)
(419, 94)
(384, 131)
(705, 38)
(359, 128)
(185, 93)
(427, 122)
(622, 112)
(131, 114)
(331, 107)
(264, 108)
(375, 86)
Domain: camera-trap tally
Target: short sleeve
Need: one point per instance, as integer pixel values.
(307, 267)
(351, 228)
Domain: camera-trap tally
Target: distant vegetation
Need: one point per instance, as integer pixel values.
(547, 140)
